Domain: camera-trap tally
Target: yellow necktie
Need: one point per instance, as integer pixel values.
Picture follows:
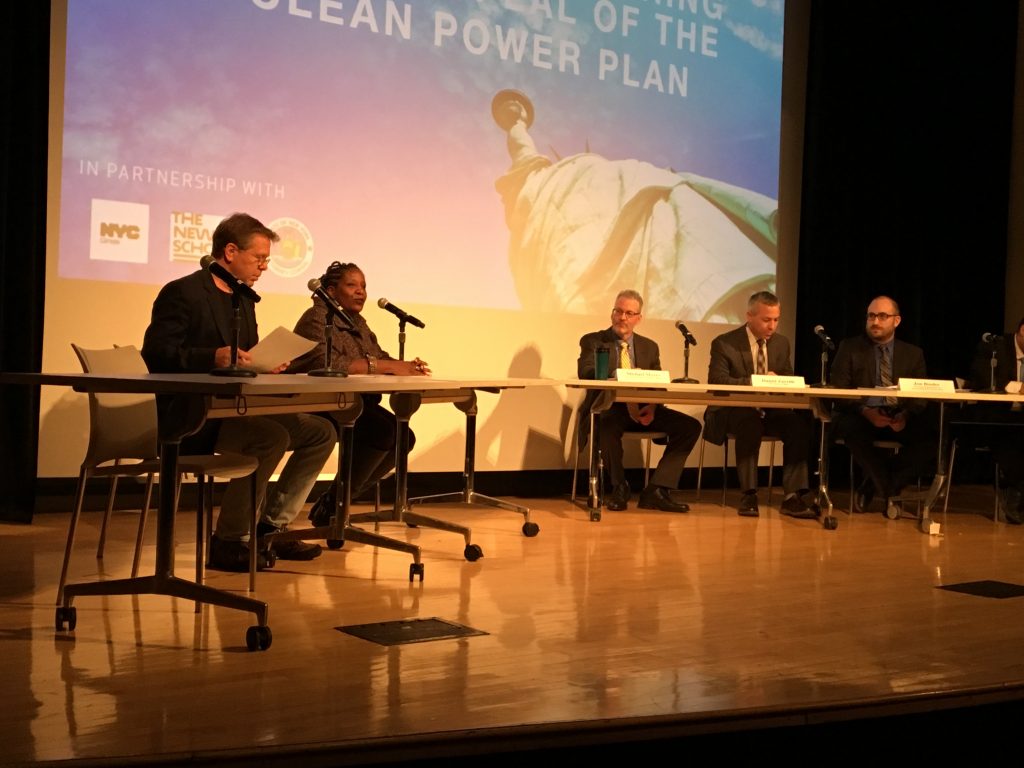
(624, 361)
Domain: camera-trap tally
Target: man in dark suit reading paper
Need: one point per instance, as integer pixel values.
(191, 332)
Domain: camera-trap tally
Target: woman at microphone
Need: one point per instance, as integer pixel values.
(354, 350)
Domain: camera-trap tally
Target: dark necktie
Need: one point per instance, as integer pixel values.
(762, 360)
(885, 373)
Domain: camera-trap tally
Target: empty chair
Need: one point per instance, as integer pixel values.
(123, 442)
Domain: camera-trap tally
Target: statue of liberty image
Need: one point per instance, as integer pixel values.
(583, 226)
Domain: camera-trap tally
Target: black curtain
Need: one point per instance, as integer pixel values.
(906, 173)
(24, 76)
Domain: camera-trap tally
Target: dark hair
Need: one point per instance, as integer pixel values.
(767, 298)
(1020, 323)
(239, 228)
(335, 272)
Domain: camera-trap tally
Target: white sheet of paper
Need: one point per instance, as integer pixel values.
(280, 346)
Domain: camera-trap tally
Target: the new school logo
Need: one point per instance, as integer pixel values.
(119, 231)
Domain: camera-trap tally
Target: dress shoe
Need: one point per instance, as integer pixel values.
(657, 497)
(289, 549)
(864, 496)
(748, 505)
(796, 507)
(233, 556)
(619, 498)
(322, 509)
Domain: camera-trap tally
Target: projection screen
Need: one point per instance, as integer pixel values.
(499, 168)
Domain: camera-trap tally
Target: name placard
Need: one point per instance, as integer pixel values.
(641, 375)
(926, 385)
(773, 380)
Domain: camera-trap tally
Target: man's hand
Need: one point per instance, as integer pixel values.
(877, 417)
(222, 358)
(645, 414)
(898, 422)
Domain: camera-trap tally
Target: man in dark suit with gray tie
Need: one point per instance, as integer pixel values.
(627, 349)
(878, 359)
(756, 348)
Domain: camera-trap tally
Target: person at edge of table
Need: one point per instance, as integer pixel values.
(878, 359)
(191, 332)
(354, 350)
(1002, 427)
(756, 348)
(631, 350)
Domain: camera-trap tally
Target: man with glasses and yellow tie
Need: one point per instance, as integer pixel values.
(626, 349)
(879, 359)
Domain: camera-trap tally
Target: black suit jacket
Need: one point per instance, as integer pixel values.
(855, 363)
(732, 363)
(646, 355)
(191, 319)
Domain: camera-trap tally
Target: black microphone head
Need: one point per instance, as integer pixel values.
(819, 329)
(382, 303)
(206, 261)
(313, 284)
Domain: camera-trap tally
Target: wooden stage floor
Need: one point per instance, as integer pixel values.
(641, 628)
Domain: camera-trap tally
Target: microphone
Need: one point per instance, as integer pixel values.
(819, 331)
(237, 286)
(405, 316)
(988, 338)
(332, 306)
(686, 333)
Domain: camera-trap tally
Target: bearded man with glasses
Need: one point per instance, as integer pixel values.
(878, 359)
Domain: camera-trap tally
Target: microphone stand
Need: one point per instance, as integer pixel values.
(236, 324)
(824, 364)
(401, 338)
(686, 365)
(992, 370)
(329, 369)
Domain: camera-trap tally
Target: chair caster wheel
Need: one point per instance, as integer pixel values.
(595, 516)
(335, 543)
(830, 523)
(258, 638)
(416, 569)
(473, 552)
(68, 614)
(530, 529)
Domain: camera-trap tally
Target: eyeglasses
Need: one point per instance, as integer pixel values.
(626, 313)
(880, 316)
(262, 260)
